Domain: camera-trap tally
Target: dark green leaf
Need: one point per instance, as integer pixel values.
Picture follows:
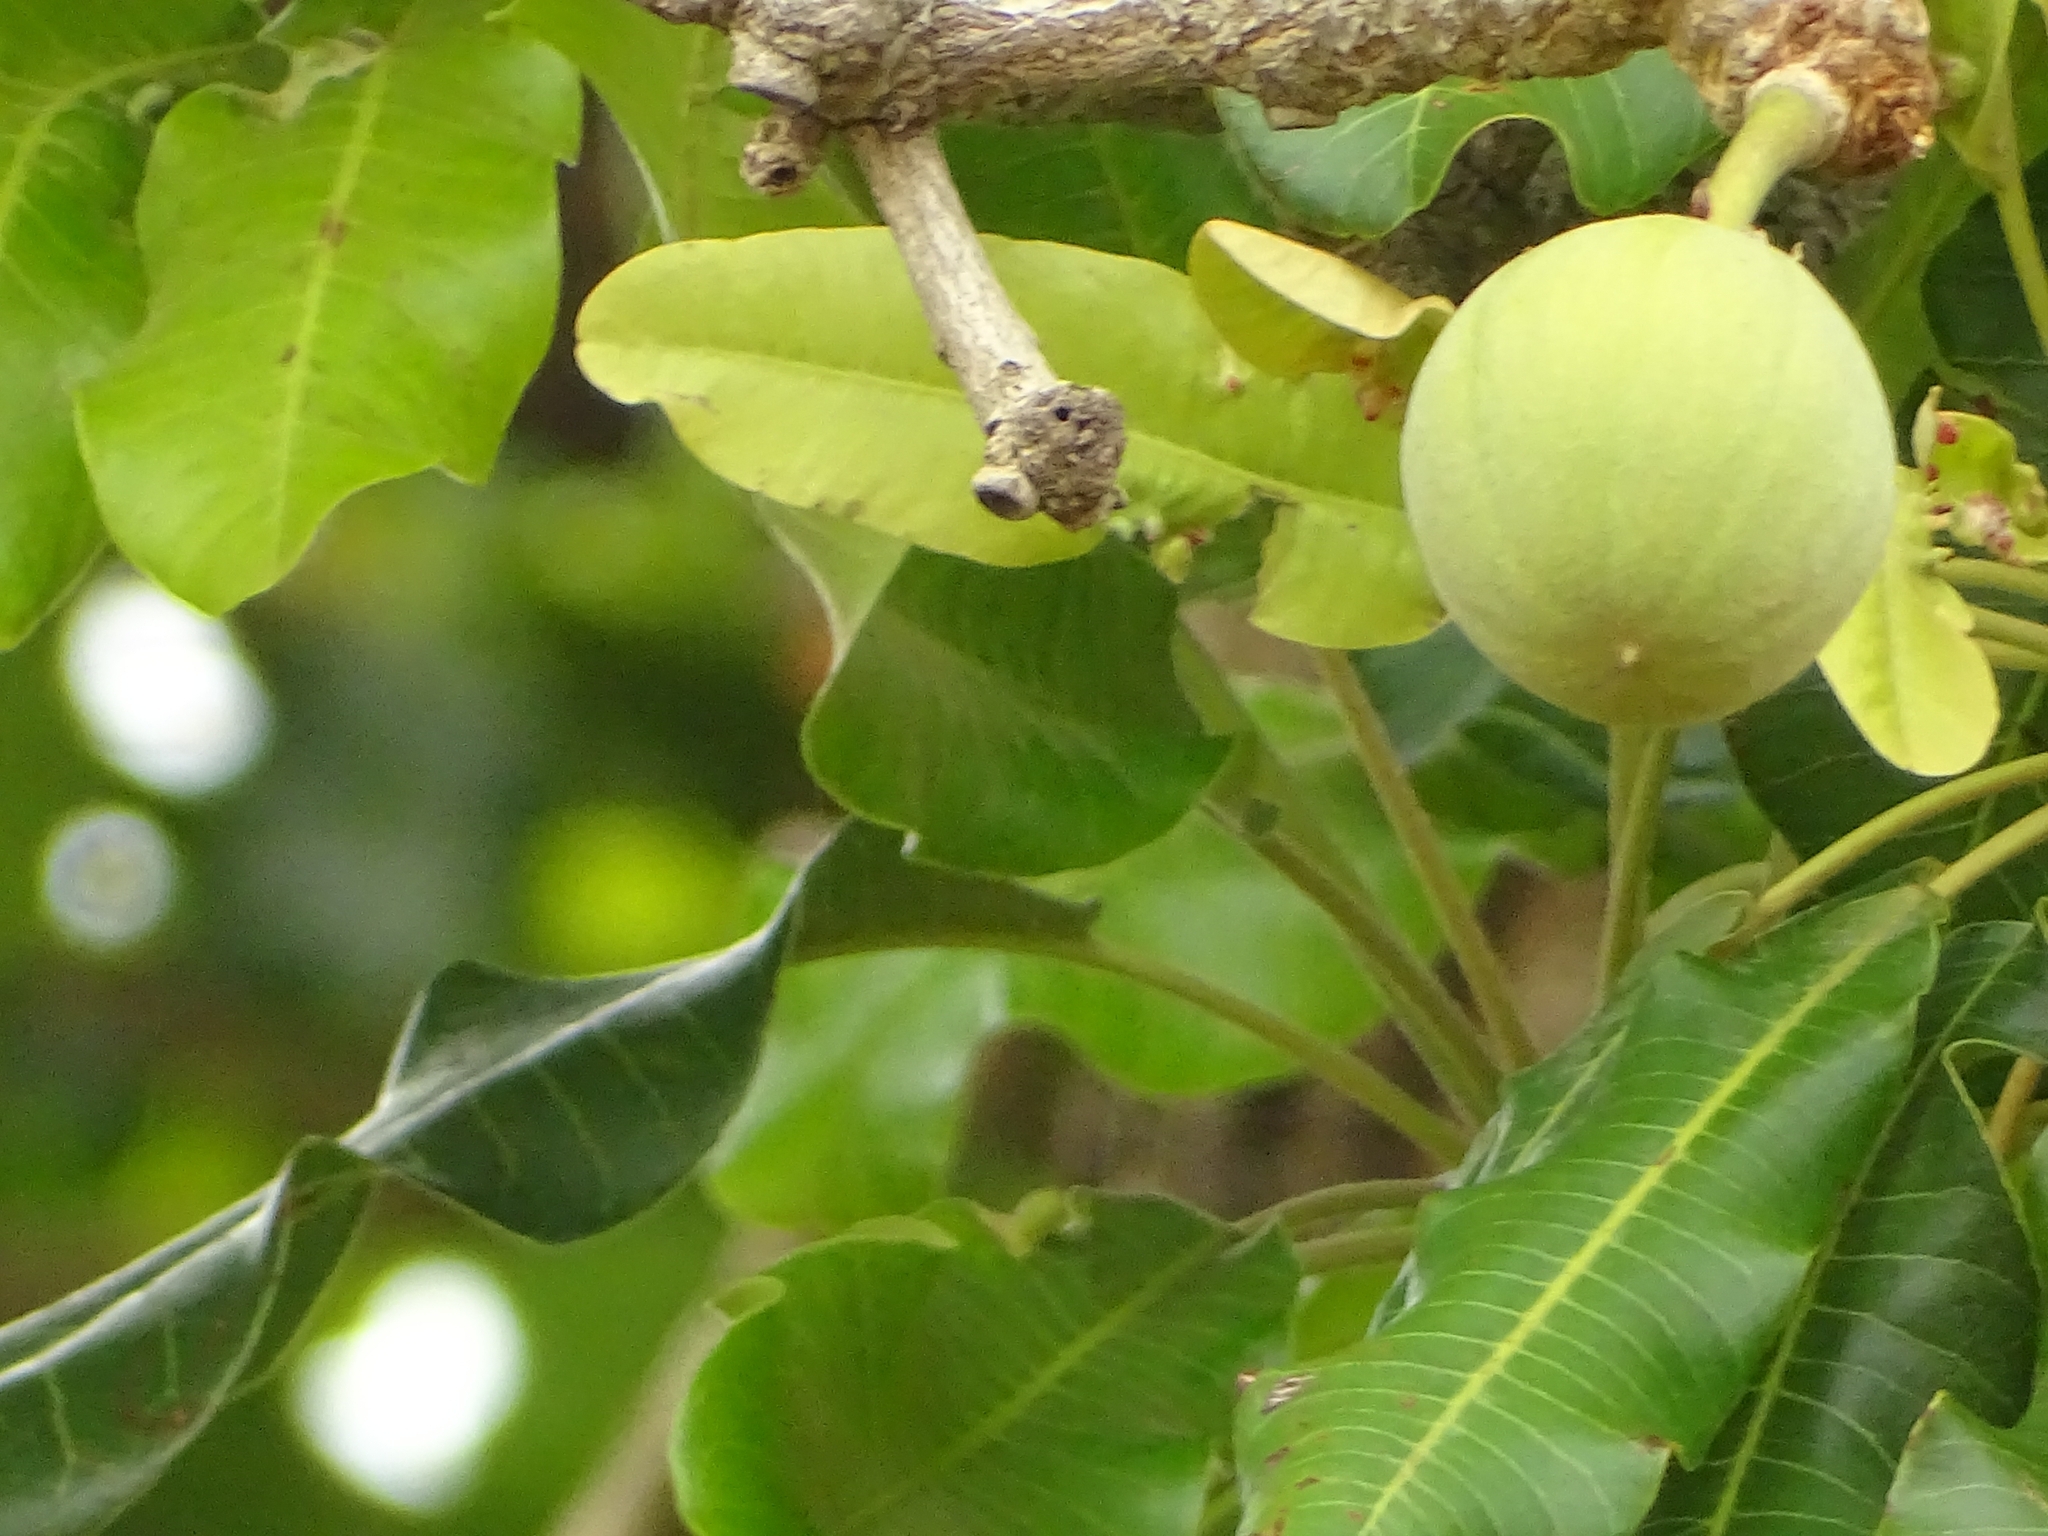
(341, 291)
(665, 87)
(963, 1373)
(1134, 191)
(100, 1391)
(1924, 1283)
(1964, 1477)
(1579, 1319)
(1626, 133)
(560, 1108)
(71, 287)
(1816, 778)
(1019, 721)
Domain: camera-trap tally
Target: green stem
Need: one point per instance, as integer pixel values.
(2023, 245)
(1995, 574)
(1855, 845)
(1784, 129)
(2012, 658)
(1356, 1079)
(2008, 843)
(1320, 1255)
(1639, 762)
(1341, 1202)
(1384, 770)
(2002, 1131)
(1428, 1017)
(1990, 624)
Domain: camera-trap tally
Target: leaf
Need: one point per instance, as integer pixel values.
(1964, 1477)
(1625, 133)
(855, 1106)
(1015, 721)
(1292, 309)
(1128, 190)
(664, 85)
(1903, 664)
(849, 566)
(339, 295)
(861, 891)
(813, 381)
(1345, 582)
(1579, 1319)
(1923, 1283)
(555, 1108)
(1817, 779)
(71, 288)
(559, 1108)
(927, 1377)
(99, 1392)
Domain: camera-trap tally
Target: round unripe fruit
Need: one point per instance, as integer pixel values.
(1649, 467)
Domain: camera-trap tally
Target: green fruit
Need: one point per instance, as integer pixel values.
(1649, 467)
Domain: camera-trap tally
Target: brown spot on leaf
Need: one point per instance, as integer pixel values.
(333, 228)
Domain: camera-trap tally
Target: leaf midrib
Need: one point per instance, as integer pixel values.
(1603, 1236)
(1738, 1465)
(35, 135)
(1040, 1382)
(327, 243)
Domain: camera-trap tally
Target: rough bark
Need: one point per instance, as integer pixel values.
(902, 65)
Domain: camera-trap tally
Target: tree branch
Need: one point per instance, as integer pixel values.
(1053, 447)
(904, 65)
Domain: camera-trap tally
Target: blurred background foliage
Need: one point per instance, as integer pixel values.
(541, 723)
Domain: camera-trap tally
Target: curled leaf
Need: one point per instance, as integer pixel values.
(1294, 309)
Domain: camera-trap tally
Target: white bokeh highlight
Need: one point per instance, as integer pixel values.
(108, 877)
(403, 1405)
(165, 693)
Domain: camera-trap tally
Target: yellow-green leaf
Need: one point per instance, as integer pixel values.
(1292, 309)
(1904, 665)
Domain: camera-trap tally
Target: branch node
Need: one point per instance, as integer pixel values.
(1052, 446)
(1066, 441)
(1871, 56)
(783, 153)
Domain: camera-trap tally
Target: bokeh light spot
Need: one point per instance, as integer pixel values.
(108, 876)
(166, 694)
(403, 1404)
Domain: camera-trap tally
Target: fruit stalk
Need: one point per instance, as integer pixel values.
(1417, 834)
(1794, 119)
(1639, 761)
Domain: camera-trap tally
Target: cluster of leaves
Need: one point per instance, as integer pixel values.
(1709, 1264)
